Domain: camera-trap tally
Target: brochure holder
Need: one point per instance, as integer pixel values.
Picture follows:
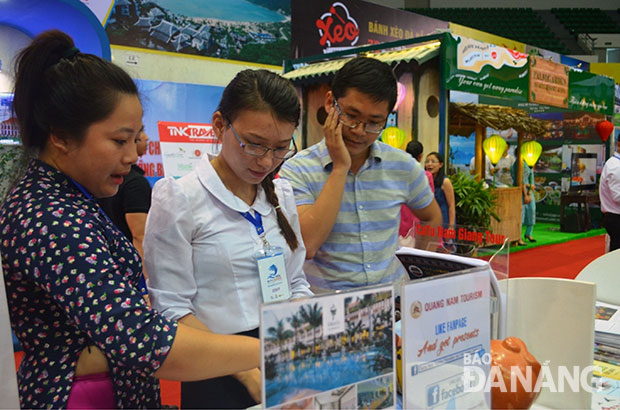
(446, 339)
(330, 351)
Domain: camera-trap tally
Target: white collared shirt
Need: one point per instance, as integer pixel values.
(609, 187)
(199, 251)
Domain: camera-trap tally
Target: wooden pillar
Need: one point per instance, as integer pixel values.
(519, 160)
(479, 161)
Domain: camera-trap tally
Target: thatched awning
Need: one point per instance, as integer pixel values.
(464, 117)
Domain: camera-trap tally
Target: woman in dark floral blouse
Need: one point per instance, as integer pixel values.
(71, 276)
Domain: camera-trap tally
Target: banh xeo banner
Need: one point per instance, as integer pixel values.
(326, 26)
(482, 68)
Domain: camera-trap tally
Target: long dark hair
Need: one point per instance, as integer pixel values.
(60, 90)
(438, 178)
(262, 90)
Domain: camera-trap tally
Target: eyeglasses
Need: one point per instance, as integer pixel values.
(347, 120)
(256, 150)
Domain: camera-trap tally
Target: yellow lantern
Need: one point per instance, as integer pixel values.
(393, 136)
(494, 148)
(530, 151)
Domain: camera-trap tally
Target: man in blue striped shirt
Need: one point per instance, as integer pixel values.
(349, 187)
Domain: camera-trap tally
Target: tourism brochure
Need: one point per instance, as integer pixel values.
(606, 369)
(607, 334)
(446, 338)
(606, 393)
(329, 351)
(607, 318)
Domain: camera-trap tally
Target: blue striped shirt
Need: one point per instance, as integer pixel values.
(359, 251)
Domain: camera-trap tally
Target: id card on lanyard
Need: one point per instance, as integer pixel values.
(270, 262)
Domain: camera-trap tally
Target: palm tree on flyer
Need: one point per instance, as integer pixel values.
(278, 334)
(296, 322)
(366, 304)
(313, 315)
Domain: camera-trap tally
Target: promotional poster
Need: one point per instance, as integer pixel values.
(184, 144)
(186, 111)
(330, 351)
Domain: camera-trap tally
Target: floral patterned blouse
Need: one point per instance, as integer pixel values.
(71, 280)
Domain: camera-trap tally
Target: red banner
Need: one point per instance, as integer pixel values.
(179, 132)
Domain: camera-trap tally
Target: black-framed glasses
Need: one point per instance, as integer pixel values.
(347, 120)
(257, 150)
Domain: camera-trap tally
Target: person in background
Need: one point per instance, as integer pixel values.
(528, 207)
(349, 187)
(215, 237)
(609, 192)
(71, 277)
(488, 167)
(129, 207)
(503, 168)
(407, 218)
(444, 191)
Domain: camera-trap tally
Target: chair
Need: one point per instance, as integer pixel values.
(604, 272)
(555, 319)
(9, 398)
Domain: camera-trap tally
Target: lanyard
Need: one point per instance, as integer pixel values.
(257, 221)
(90, 197)
(82, 189)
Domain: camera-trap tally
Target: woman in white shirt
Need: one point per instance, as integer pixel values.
(218, 239)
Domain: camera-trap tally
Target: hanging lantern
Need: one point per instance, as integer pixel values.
(393, 136)
(531, 151)
(604, 129)
(494, 148)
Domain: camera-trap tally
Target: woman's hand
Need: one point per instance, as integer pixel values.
(251, 379)
(338, 152)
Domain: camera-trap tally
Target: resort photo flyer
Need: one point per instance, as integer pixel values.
(445, 337)
(330, 351)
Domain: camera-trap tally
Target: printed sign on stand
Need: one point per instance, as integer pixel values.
(183, 144)
(445, 329)
(330, 351)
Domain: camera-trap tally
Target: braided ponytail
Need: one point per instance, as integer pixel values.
(285, 227)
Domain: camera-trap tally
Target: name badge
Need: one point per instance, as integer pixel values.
(272, 272)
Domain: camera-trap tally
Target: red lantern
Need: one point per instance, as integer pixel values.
(604, 129)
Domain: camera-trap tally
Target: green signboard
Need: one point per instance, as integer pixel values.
(482, 68)
(590, 92)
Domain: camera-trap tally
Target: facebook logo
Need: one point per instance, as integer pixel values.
(432, 395)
